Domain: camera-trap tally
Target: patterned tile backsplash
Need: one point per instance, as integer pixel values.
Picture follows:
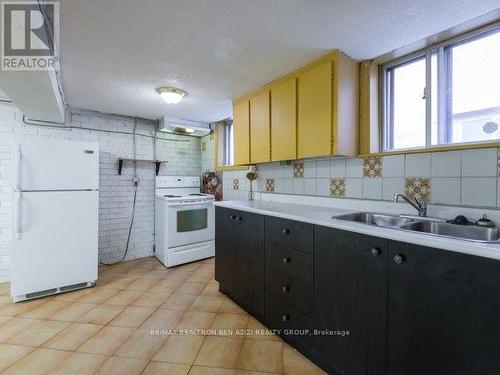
(468, 177)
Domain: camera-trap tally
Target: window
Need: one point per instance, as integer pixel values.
(446, 94)
(228, 154)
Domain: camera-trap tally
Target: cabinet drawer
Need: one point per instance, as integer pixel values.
(289, 261)
(290, 290)
(290, 233)
(282, 316)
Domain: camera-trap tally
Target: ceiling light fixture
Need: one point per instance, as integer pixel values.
(171, 95)
(189, 130)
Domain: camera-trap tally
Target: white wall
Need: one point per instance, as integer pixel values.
(116, 192)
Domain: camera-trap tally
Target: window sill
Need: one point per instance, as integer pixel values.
(224, 168)
(441, 148)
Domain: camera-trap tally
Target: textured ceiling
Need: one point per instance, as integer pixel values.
(115, 53)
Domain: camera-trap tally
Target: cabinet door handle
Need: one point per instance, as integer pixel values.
(285, 289)
(239, 218)
(232, 217)
(375, 251)
(398, 258)
(285, 318)
(286, 260)
(285, 231)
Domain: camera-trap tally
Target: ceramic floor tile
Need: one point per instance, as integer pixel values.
(193, 321)
(178, 275)
(178, 302)
(79, 364)
(38, 333)
(200, 370)
(10, 354)
(230, 324)
(151, 299)
(39, 362)
(73, 312)
(107, 340)
(114, 282)
(154, 274)
(163, 320)
(72, 296)
(102, 314)
(295, 363)
(208, 261)
(207, 303)
(4, 288)
(15, 326)
(190, 288)
(219, 352)
(261, 355)
(98, 295)
(212, 289)
(229, 306)
(72, 336)
(122, 366)
(141, 345)
(132, 316)
(141, 284)
(3, 319)
(165, 287)
(155, 368)
(124, 298)
(16, 309)
(46, 309)
(4, 301)
(257, 331)
(206, 267)
(201, 276)
(180, 349)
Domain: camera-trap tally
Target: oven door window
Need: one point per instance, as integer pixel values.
(192, 220)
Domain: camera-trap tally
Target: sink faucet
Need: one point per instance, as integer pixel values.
(420, 206)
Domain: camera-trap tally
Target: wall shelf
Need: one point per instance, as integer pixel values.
(157, 163)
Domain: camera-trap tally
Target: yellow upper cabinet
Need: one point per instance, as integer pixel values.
(308, 113)
(284, 121)
(315, 112)
(260, 128)
(327, 108)
(241, 132)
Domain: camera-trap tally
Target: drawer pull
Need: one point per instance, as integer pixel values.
(286, 231)
(285, 318)
(375, 251)
(286, 260)
(285, 289)
(398, 259)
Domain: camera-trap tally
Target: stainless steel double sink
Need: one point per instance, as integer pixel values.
(427, 226)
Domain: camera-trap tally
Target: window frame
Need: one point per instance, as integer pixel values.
(444, 110)
(228, 148)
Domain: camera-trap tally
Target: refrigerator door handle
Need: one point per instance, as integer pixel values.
(19, 215)
(19, 169)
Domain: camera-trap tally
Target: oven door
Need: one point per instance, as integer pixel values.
(190, 223)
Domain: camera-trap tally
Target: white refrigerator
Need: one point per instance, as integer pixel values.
(55, 219)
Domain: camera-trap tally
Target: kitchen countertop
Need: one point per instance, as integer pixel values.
(323, 216)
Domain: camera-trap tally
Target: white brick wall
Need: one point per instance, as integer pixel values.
(116, 192)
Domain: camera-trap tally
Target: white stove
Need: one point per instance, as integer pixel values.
(185, 221)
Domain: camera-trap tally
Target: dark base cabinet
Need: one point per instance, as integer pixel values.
(443, 312)
(378, 306)
(239, 255)
(350, 289)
